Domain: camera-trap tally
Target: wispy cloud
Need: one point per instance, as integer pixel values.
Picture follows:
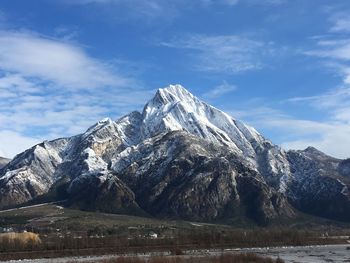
(50, 88)
(334, 49)
(219, 90)
(224, 53)
(335, 102)
(339, 19)
(266, 2)
(13, 143)
(341, 25)
(148, 11)
(220, 2)
(328, 100)
(152, 11)
(53, 60)
(332, 138)
(331, 134)
(156, 5)
(338, 49)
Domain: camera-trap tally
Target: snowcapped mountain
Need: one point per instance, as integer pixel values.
(179, 158)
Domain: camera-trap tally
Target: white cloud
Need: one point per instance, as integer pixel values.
(272, 2)
(152, 3)
(62, 112)
(147, 11)
(163, 3)
(335, 54)
(12, 143)
(341, 25)
(265, 2)
(15, 82)
(334, 141)
(219, 90)
(330, 135)
(224, 53)
(52, 60)
(338, 49)
(340, 20)
(328, 100)
(220, 2)
(50, 88)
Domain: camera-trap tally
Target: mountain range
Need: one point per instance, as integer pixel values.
(179, 158)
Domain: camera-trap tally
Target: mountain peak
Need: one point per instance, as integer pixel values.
(313, 150)
(176, 90)
(100, 123)
(172, 94)
(104, 123)
(175, 109)
(315, 153)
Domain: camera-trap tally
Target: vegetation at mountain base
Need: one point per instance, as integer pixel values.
(69, 232)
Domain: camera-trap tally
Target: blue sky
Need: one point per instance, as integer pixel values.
(282, 66)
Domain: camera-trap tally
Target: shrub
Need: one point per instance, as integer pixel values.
(18, 241)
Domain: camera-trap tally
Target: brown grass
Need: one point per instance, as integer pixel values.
(22, 239)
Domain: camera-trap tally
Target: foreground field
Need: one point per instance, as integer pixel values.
(305, 254)
(67, 232)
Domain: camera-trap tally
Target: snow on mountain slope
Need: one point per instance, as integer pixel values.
(33, 172)
(30, 173)
(176, 174)
(163, 151)
(174, 108)
(318, 186)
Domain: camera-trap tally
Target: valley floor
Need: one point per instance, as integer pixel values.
(66, 235)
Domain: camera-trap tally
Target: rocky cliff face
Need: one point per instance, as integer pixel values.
(320, 185)
(180, 175)
(179, 158)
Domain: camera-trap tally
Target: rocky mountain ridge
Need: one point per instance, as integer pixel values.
(179, 158)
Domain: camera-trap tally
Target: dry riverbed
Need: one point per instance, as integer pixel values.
(308, 254)
(303, 254)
